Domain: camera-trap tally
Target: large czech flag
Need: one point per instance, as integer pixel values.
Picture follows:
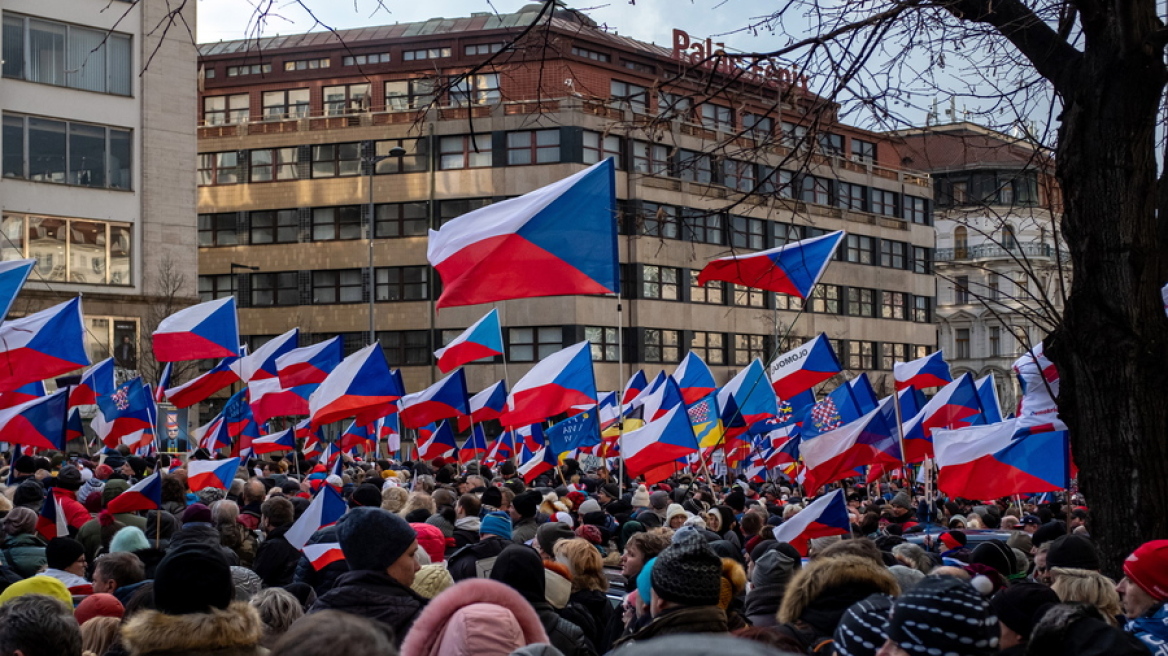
(360, 386)
(533, 464)
(483, 339)
(653, 449)
(203, 474)
(746, 399)
(309, 365)
(826, 516)
(38, 423)
(436, 442)
(13, 273)
(285, 440)
(957, 405)
(324, 511)
(987, 392)
(922, 373)
(694, 378)
(836, 454)
(486, 405)
(445, 399)
(42, 345)
(202, 387)
(803, 367)
(986, 462)
(554, 241)
(206, 330)
(146, 494)
(97, 380)
(792, 269)
(554, 385)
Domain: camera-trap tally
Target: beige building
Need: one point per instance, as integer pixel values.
(99, 166)
(286, 125)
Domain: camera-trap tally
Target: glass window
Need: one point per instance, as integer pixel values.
(921, 258)
(825, 299)
(831, 144)
(257, 69)
(226, 110)
(793, 136)
(757, 125)
(451, 208)
(627, 95)
(218, 229)
(893, 253)
(426, 53)
(482, 49)
(274, 227)
(465, 152)
(749, 347)
(892, 305)
(599, 146)
(711, 293)
(816, 190)
(711, 347)
(49, 52)
(916, 210)
(961, 290)
(480, 89)
(362, 60)
(738, 174)
(591, 54)
(674, 105)
(890, 354)
(863, 151)
(852, 196)
(402, 95)
(343, 286)
(11, 237)
(120, 159)
(604, 343)
(650, 158)
(416, 159)
(662, 346)
(70, 250)
(268, 164)
(405, 347)
(995, 339)
(13, 140)
(272, 289)
(695, 167)
(861, 355)
(744, 296)
(702, 226)
(400, 220)
(219, 169)
(747, 233)
(533, 147)
(961, 342)
(660, 283)
(717, 117)
(329, 223)
(407, 283)
(884, 202)
(215, 287)
(48, 144)
(87, 155)
(346, 99)
(286, 103)
(336, 160)
(659, 221)
(533, 344)
(857, 249)
(921, 309)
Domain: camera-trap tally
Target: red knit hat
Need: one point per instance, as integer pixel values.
(98, 605)
(431, 539)
(1147, 567)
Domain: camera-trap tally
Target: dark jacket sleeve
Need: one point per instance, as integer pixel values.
(276, 561)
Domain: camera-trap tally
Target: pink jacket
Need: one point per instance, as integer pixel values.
(475, 617)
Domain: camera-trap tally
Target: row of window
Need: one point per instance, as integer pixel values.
(60, 54)
(69, 250)
(1014, 188)
(991, 288)
(997, 343)
(323, 287)
(66, 152)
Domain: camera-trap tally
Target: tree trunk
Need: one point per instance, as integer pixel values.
(1112, 348)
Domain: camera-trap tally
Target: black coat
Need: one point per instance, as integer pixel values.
(276, 559)
(376, 596)
(461, 564)
(324, 579)
(562, 634)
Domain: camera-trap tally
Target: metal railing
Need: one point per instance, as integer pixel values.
(981, 251)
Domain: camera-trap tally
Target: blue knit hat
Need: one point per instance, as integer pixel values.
(496, 523)
(372, 538)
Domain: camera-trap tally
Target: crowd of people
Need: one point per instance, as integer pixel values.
(447, 560)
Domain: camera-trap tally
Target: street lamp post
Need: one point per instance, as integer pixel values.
(371, 160)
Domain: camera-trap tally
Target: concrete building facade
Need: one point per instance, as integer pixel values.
(711, 160)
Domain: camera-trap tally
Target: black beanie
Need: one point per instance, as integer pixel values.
(367, 495)
(1047, 532)
(1073, 551)
(527, 504)
(1018, 606)
(25, 465)
(521, 568)
(995, 554)
(137, 464)
(373, 539)
(63, 552)
(858, 633)
(29, 494)
(943, 615)
(492, 496)
(69, 478)
(194, 578)
(688, 572)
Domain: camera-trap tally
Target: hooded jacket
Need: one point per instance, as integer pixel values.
(817, 597)
(235, 631)
(376, 596)
(772, 572)
(466, 531)
(471, 618)
(24, 553)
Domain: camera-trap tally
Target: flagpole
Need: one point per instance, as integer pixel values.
(620, 395)
(899, 424)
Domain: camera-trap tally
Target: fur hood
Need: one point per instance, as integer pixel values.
(825, 576)
(434, 631)
(236, 630)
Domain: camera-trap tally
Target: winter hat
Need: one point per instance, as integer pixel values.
(431, 540)
(611, 490)
(906, 577)
(901, 500)
(645, 581)
(196, 513)
(366, 494)
(590, 533)
(776, 565)
(373, 539)
(521, 568)
(649, 519)
(995, 554)
(29, 494)
(492, 496)
(1019, 606)
(659, 500)
(40, 585)
(1021, 541)
(129, 539)
(443, 525)
(589, 506)
(25, 465)
(527, 504)
(733, 583)
(858, 633)
(562, 518)
(577, 498)
(640, 497)
(1073, 551)
(194, 578)
(1147, 567)
(1048, 531)
(943, 615)
(63, 552)
(20, 520)
(1079, 630)
(550, 533)
(496, 523)
(137, 464)
(98, 605)
(103, 472)
(954, 539)
(688, 572)
(673, 511)
(432, 580)
(69, 478)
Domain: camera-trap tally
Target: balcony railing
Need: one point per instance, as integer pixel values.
(983, 251)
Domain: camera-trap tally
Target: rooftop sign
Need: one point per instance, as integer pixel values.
(706, 54)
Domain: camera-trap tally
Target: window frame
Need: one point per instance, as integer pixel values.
(524, 147)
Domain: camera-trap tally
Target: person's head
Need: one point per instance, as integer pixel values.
(911, 555)
(117, 570)
(832, 584)
(607, 493)
(276, 513)
(278, 609)
(1041, 569)
(675, 516)
(640, 549)
(192, 579)
(1030, 524)
(393, 498)
(1088, 587)
(224, 512)
(468, 505)
(496, 524)
(130, 539)
(1074, 551)
(99, 605)
(547, 535)
(332, 632)
(941, 615)
(67, 555)
(99, 634)
(36, 625)
(20, 520)
(858, 632)
(521, 568)
(584, 562)
(1018, 607)
(377, 540)
(253, 492)
(686, 573)
(525, 505)
(1145, 579)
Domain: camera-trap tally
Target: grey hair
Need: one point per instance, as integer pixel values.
(278, 609)
(224, 512)
(38, 625)
(917, 557)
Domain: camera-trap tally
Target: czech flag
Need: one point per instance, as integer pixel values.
(202, 474)
(360, 386)
(146, 494)
(285, 440)
(309, 365)
(269, 399)
(863, 393)
(803, 367)
(483, 339)
(792, 269)
(206, 330)
(486, 405)
(442, 400)
(324, 511)
(437, 443)
(38, 423)
(502, 449)
(202, 387)
(323, 554)
(1039, 380)
(826, 516)
(13, 273)
(987, 392)
(52, 522)
(661, 397)
(557, 240)
(74, 429)
(835, 410)
(694, 378)
(746, 399)
(922, 373)
(657, 444)
(533, 464)
(956, 406)
(475, 445)
(836, 454)
(128, 410)
(22, 394)
(637, 384)
(986, 462)
(159, 392)
(97, 380)
(42, 345)
(554, 385)
(261, 364)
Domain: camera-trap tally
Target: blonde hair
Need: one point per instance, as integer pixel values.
(418, 500)
(99, 634)
(584, 561)
(278, 609)
(394, 498)
(1088, 587)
